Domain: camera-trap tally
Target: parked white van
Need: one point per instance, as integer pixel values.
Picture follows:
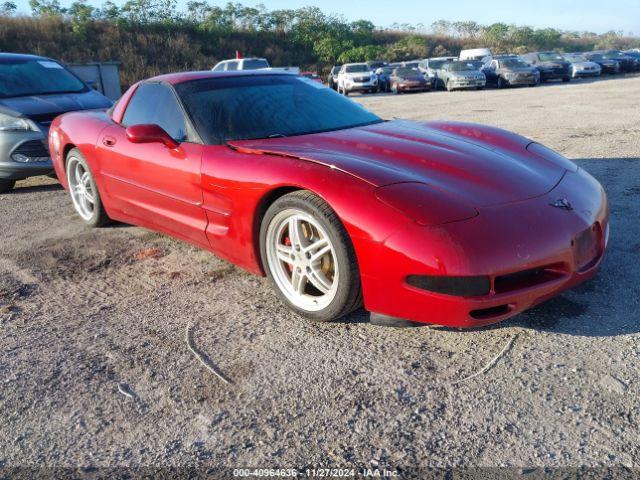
(475, 54)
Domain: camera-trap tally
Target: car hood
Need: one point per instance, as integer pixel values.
(358, 74)
(519, 70)
(484, 165)
(411, 78)
(554, 64)
(44, 108)
(585, 64)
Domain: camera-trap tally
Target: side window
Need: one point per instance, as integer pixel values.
(156, 103)
(232, 66)
(219, 67)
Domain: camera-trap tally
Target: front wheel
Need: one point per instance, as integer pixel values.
(308, 256)
(7, 185)
(83, 190)
(566, 79)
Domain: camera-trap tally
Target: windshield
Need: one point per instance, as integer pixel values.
(512, 63)
(406, 72)
(246, 108)
(360, 67)
(596, 56)
(462, 67)
(20, 77)
(576, 59)
(436, 63)
(412, 64)
(550, 57)
(255, 64)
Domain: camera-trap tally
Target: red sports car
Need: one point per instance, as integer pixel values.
(441, 222)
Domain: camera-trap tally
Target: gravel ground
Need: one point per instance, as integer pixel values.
(96, 370)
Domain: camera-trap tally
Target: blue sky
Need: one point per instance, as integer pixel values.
(592, 15)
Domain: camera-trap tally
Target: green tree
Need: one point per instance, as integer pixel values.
(441, 27)
(81, 15)
(46, 8)
(109, 11)
(407, 48)
(7, 9)
(495, 35)
(361, 54)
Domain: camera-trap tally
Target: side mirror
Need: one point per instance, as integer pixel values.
(150, 133)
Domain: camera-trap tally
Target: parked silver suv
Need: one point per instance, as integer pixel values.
(33, 91)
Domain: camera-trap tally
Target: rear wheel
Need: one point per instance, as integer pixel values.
(566, 79)
(7, 185)
(501, 82)
(308, 256)
(83, 190)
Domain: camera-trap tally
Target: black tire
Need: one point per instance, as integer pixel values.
(99, 217)
(7, 185)
(566, 79)
(349, 290)
(501, 83)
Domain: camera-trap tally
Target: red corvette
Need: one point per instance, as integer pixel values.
(447, 223)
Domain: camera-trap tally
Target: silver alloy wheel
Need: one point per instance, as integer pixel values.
(80, 188)
(302, 260)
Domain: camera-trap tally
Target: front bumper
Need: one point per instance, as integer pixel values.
(554, 74)
(26, 145)
(463, 83)
(587, 73)
(413, 87)
(505, 243)
(361, 86)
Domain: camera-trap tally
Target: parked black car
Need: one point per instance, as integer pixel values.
(375, 64)
(332, 79)
(633, 54)
(608, 65)
(508, 70)
(384, 85)
(33, 91)
(551, 65)
(627, 62)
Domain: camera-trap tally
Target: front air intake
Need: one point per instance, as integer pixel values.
(458, 286)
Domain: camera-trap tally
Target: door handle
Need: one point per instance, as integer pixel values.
(109, 141)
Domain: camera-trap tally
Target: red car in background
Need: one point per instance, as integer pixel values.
(312, 76)
(441, 222)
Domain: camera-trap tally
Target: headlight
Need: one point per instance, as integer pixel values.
(426, 205)
(551, 156)
(9, 123)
